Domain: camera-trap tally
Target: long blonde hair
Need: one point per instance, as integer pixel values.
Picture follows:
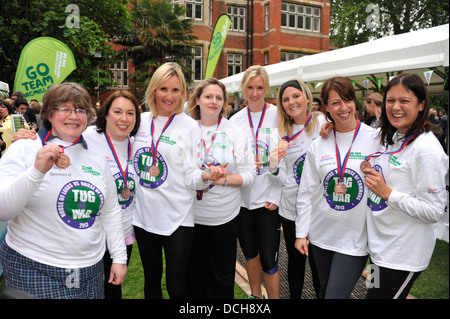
(161, 75)
(284, 121)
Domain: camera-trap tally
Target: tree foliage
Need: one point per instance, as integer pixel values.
(99, 22)
(160, 33)
(354, 21)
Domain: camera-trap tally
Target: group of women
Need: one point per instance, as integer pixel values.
(192, 186)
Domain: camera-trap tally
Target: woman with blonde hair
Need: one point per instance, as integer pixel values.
(216, 209)
(259, 235)
(165, 164)
(298, 126)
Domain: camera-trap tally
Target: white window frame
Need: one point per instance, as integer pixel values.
(300, 17)
(238, 18)
(193, 7)
(121, 73)
(287, 56)
(197, 60)
(234, 61)
(266, 17)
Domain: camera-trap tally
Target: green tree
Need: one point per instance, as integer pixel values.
(354, 21)
(161, 33)
(90, 31)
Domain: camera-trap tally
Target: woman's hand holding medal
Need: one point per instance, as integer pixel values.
(375, 181)
(46, 157)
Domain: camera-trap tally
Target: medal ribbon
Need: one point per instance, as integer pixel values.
(404, 144)
(205, 159)
(259, 125)
(116, 158)
(61, 147)
(287, 138)
(341, 167)
(155, 147)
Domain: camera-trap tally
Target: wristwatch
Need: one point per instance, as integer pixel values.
(273, 171)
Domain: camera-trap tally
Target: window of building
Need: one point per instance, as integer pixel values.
(287, 56)
(266, 18)
(211, 12)
(300, 17)
(237, 15)
(234, 63)
(266, 58)
(120, 73)
(197, 63)
(194, 9)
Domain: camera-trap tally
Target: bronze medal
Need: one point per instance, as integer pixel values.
(63, 161)
(283, 144)
(154, 170)
(365, 164)
(257, 158)
(125, 192)
(340, 188)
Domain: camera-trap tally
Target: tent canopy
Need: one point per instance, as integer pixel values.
(414, 52)
(4, 89)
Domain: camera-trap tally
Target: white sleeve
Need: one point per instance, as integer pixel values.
(307, 189)
(111, 219)
(19, 178)
(245, 161)
(429, 201)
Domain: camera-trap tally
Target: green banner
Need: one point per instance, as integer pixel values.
(43, 62)
(218, 37)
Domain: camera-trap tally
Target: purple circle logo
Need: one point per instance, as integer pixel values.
(353, 195)
(142, 161)
(78, 204)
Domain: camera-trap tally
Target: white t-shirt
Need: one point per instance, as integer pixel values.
(291, 166)
(262, 190)
(60, 218)
(329, 220)
(98, 142)
(231, 146)
(163, 203)
(401, 230)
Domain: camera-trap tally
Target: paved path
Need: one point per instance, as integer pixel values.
(359, 292)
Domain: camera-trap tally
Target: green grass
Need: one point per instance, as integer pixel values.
(433, 283)
(133, 286)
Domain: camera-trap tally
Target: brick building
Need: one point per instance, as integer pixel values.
(262, 32)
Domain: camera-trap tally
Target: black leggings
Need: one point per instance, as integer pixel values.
(212, 264)
(113, 291)
(338, 273)
(296, 263)
(176, 251)
(390, 283)
(260, 234)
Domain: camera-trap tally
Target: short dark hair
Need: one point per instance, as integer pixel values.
(104, 110)
(343, 88)
(8, 106)
(20, 101)
(62, 93)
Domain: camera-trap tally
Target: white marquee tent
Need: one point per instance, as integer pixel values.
(415, 52)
